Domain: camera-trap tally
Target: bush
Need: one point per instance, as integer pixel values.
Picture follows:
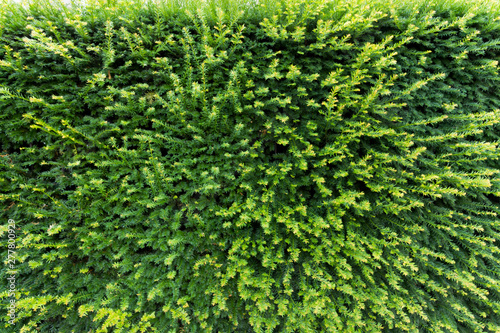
(300, 166)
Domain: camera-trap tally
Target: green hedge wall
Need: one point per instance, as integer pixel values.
(291, 166)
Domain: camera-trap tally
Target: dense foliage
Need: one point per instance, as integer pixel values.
(316, 166)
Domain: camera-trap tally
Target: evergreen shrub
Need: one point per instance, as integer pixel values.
(281, 166)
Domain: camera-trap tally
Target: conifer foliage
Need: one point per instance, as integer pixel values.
(291, 166)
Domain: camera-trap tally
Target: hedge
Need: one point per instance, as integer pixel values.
(231, 166)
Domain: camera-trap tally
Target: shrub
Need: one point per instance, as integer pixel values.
(300, 166)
